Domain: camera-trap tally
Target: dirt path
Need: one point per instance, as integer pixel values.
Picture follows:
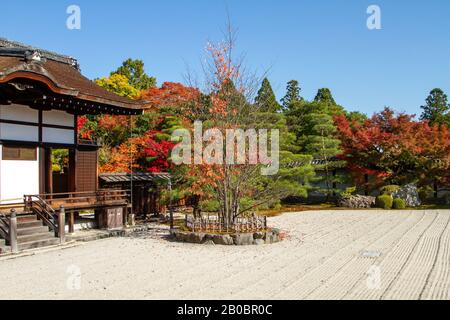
(328, 255)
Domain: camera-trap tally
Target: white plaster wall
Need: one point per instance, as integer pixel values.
(18, 132)
(18, 178)
(57, 117)
(58, 135)
(19, 113)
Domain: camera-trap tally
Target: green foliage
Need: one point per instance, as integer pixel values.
(322, 145)
(324, 96)
(119, 84)
(390, 189)
(399, 204)
(210, 205)
(292, 95)
(266, 100)
(425, 192)
(348, 192)
(356, 116)
(437, 108)
(60, 159)
(134, 71)
(384, 201)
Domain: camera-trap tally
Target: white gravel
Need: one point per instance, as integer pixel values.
(327, 255)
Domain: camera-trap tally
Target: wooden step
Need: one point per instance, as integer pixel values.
(26, 218)
(38, 244)
(29, 224)
(32, 230)
(35, 237)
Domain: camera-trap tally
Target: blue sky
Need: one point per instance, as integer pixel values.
(321, 43)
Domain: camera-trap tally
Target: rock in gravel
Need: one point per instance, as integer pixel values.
(196, 237)
(259, 242)
(223, 239)
(409, 193)
(209, 242)
(258, 235)
(357, 202)
(243, 239)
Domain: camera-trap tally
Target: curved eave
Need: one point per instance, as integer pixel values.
(132, 108)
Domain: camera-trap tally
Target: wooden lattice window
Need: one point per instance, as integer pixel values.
(19, 153)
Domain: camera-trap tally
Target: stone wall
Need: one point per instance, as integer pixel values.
(238, 239)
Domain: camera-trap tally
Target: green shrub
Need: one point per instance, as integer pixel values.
(384, 201)
(389, 190)
(399, 204)
(210, 205)
(425, 193)
(347, 193)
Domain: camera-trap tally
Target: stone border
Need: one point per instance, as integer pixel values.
(238, 239)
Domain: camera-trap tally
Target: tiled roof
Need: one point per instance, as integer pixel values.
(60, 73)
(137, 177)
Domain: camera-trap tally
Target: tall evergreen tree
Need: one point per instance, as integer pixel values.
(266, 100)
(134, 71)
(437, 109)
(324, 96)
(323, 145)
(292, 94)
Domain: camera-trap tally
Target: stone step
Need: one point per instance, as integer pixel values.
(32, 230)
(38, 244)
(35, 237)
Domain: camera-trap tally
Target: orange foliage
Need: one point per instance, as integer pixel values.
(122, 156)
(170, 94)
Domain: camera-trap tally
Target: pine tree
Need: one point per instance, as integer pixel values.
(292, 94)
(324, 96)
(266, 100)
(436, 110)
(323, 145)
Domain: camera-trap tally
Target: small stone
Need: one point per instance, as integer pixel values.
(209, 243)
(196, 237)
(258, 235)
(226, 239)
(243, 239)
(259, 242)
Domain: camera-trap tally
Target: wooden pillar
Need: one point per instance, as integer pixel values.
(42, 170)
(72, 171)
(13, 231)
(71, 222)
(48, 171)
(62, 224)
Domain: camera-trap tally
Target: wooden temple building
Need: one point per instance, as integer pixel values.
(41, 96)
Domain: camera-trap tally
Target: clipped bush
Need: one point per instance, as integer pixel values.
(389, 190)
(425, 193)
(384, 201)
(399, 204)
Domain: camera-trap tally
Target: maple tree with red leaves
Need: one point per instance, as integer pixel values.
(170, 94)
(395, 149)
(83, 130)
